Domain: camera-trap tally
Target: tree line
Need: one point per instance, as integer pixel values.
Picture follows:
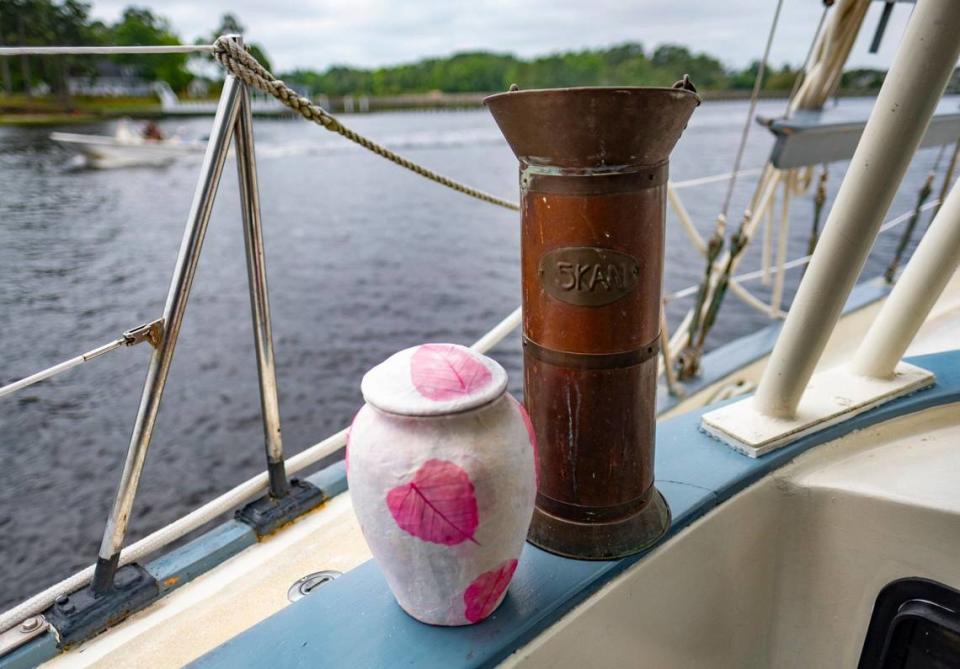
(628, 64)
(483, 71)
(52, 22)
(68, 22)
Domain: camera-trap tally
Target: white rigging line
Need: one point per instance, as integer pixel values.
(754, 98)
(714, 178)
(808, 60)
(60, 367)
(102, 50)
(796, 262)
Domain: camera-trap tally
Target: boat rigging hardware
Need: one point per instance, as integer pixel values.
(233, 123)
(688, 361)
(907, 234)
(267, 514)
(800, 261)
(819, 200)
(948, 177)
(673, 386)
(150, 332)
(104, 50)
(79, 615)
(17, 636)
(881, 26)
(791, 400)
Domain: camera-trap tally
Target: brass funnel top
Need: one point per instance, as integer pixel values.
(593, 127)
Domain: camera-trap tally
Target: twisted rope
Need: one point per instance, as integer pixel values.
(238, 61)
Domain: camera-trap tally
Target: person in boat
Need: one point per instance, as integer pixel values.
(152, 131)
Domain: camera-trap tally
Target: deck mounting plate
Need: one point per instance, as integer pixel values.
(832, 396)
(79, 615)
(268, 513)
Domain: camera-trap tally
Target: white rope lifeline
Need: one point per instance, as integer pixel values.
(102, 50)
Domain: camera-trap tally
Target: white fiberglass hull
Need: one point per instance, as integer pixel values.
(106, 152)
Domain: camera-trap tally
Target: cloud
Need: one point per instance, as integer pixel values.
(318, 33)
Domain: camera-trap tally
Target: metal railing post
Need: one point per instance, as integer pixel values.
(910, 93)
(259, 303)
(915, 293)
(173, 311)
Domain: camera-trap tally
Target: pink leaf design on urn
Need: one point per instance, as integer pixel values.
(438, 505)
(446, 372)
(484, 594)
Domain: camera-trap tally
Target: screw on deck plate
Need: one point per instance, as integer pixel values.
(16, 637)
(30, 624)
(304, 586)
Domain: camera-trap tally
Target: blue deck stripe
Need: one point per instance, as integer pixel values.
(180, 566)
(354, 621)
(183, 564)
(31, 654)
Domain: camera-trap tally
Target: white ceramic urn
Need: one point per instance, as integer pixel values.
(441, 464)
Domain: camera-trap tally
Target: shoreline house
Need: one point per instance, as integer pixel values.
(111, 79)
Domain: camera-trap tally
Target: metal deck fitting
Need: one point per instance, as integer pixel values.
(84, 613)
(267, 514)
(832, 397)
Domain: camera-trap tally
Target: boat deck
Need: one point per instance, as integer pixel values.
(697, 476)
(247, 589)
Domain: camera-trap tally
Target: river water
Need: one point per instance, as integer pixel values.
(363, 258)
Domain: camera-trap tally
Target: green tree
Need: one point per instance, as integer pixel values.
(481, 71)
(863, 80)
(139, 25)
(672, 60)
(780, 79)
(43, 22)
(231, 25)
(68, 24)
(743, 79)
(19, 20)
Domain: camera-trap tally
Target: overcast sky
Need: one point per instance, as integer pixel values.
(318, 33)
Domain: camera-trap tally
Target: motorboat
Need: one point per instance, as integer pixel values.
(128, 147)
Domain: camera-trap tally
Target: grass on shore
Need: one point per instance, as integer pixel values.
(22, 110)
(19, 109)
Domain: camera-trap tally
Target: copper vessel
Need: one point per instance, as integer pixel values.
(593, 175)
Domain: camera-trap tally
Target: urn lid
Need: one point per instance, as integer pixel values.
(433, 380)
